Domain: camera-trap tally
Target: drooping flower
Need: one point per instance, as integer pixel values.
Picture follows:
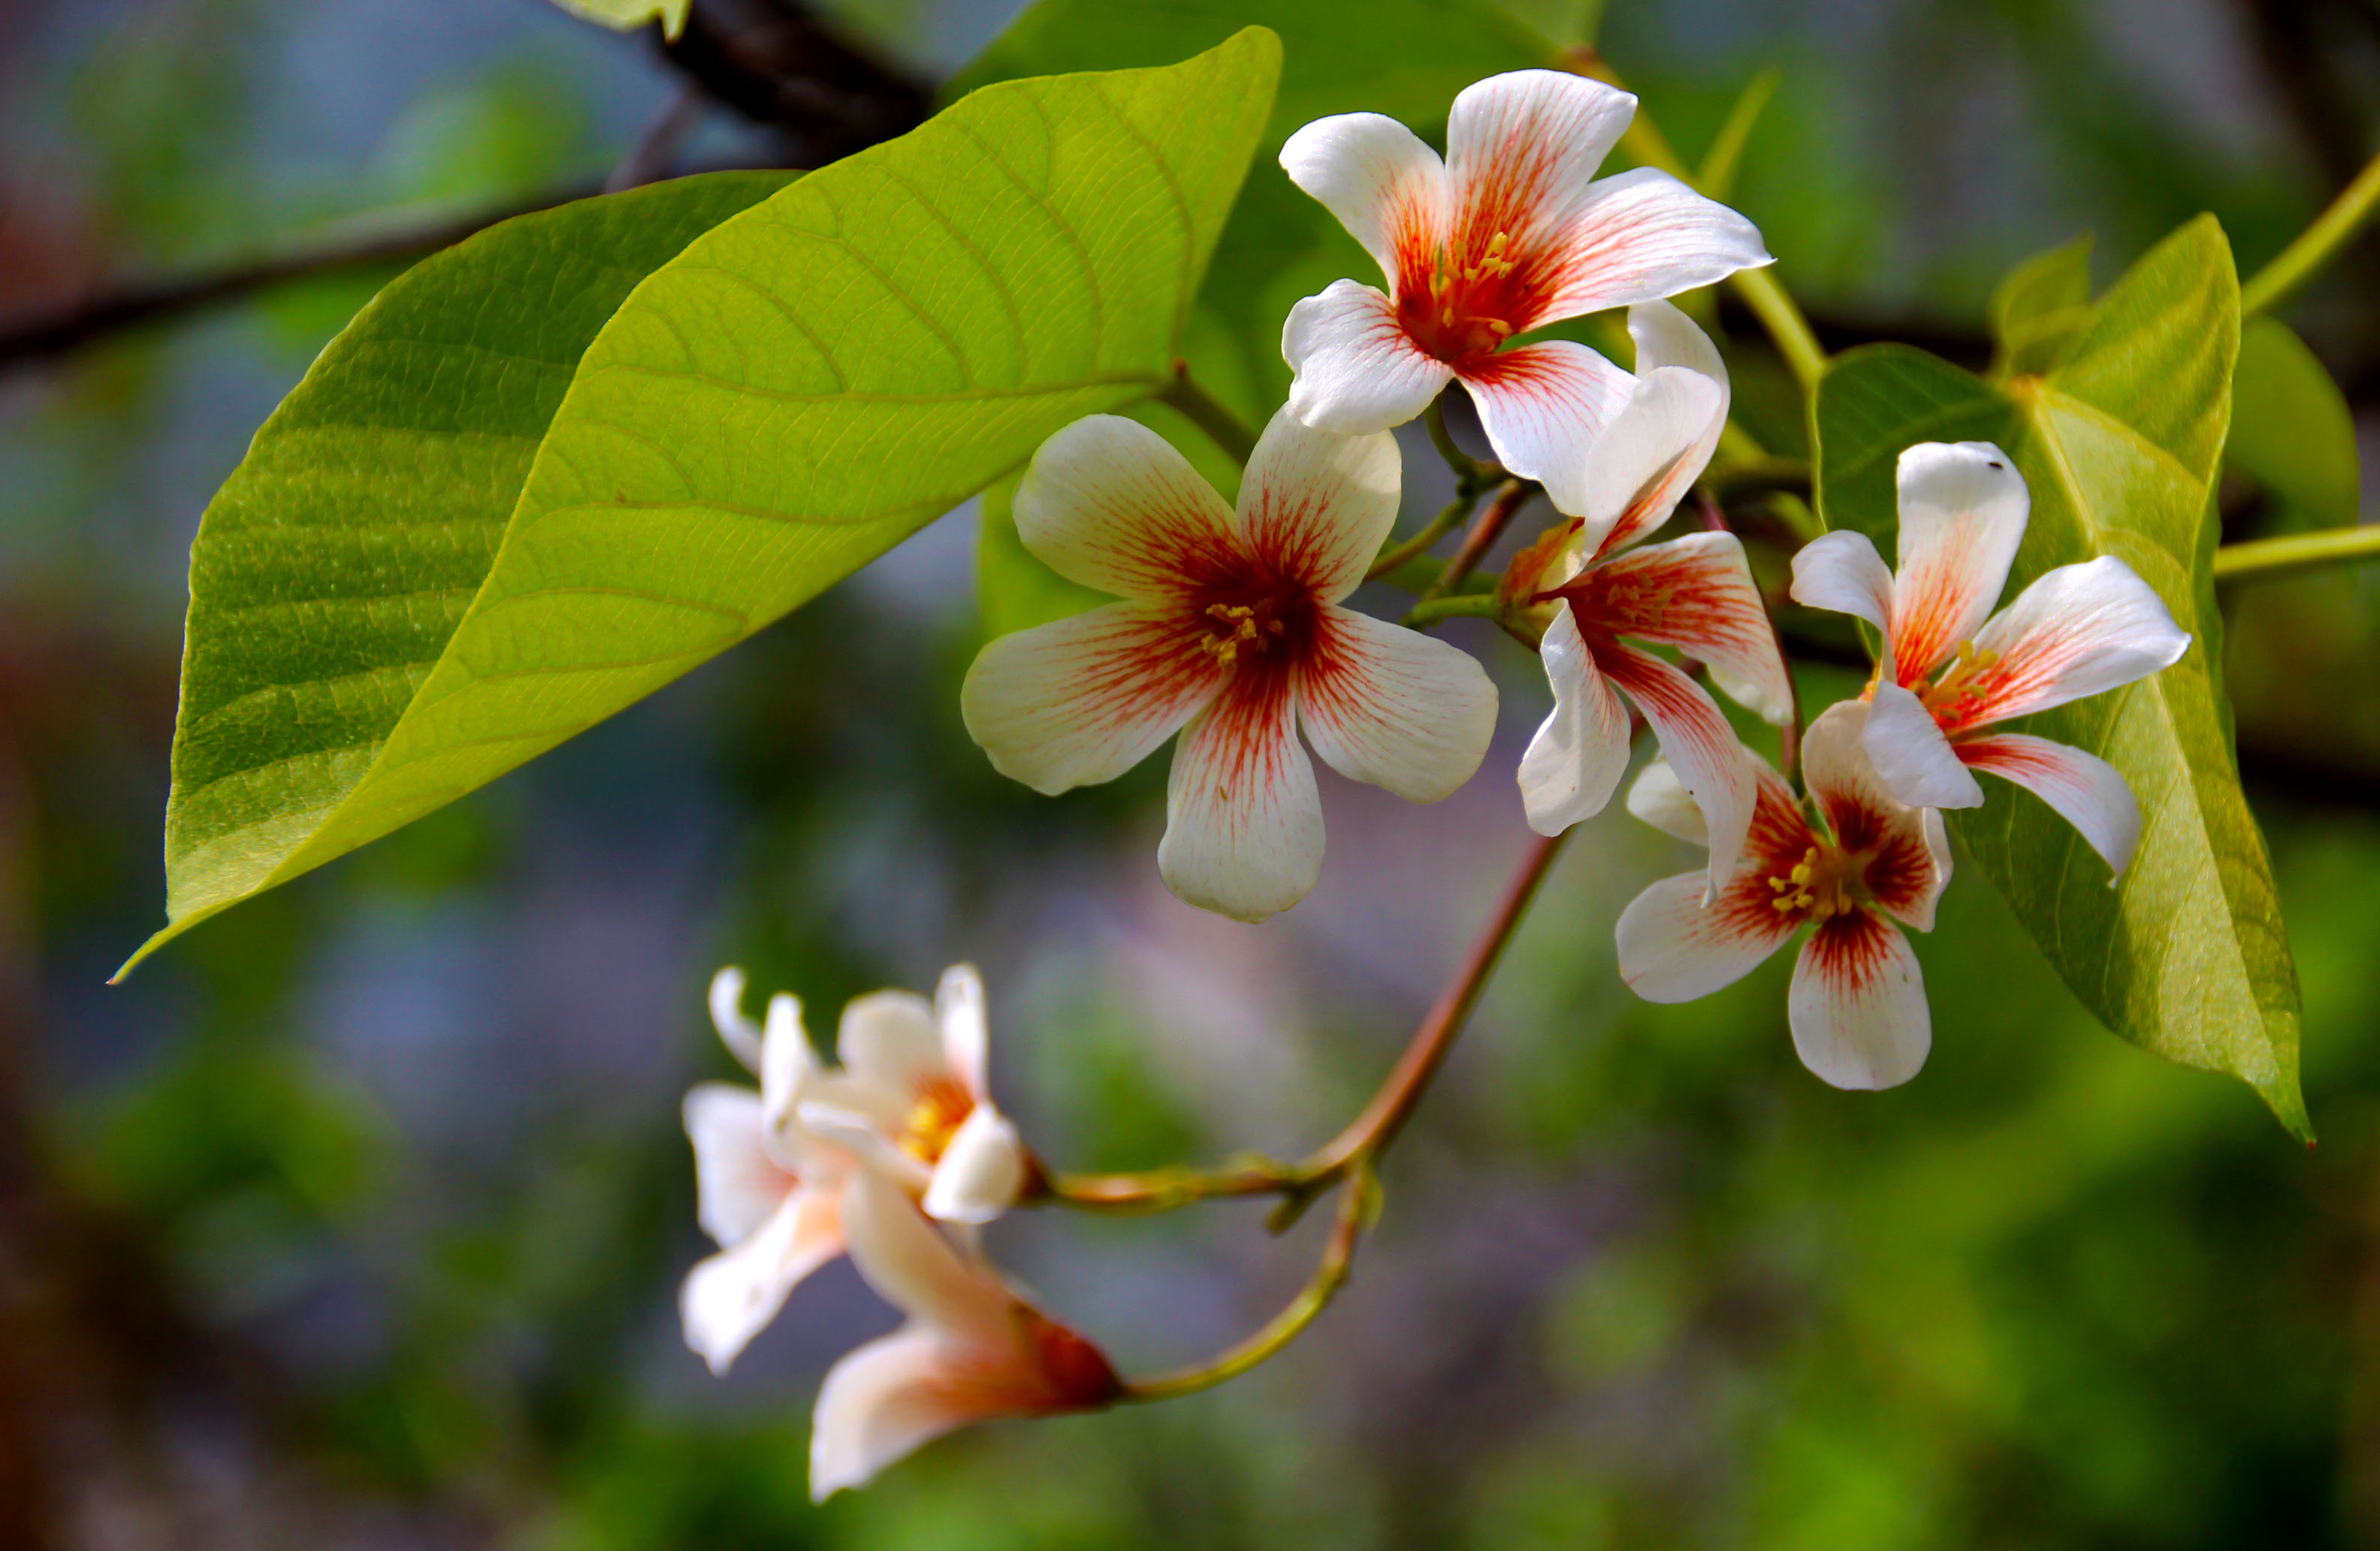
(1587, 588)
(765, 1190)
(1952, 668)
(1858, 1004)
(973, 1348)
(1231, 626)
(913, 1101)
(1510, 232)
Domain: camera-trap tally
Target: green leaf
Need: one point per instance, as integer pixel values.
(628, 14)
(1405, 58)
(2040, 308)
(2291, 431)
(796, 391)
(334, 566)
(2186, 956)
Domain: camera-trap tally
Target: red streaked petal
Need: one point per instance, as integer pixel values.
(1387, 188)
(1696, 593)
(1858, 1004)
(1522, 152)
(1358, 370)
(2084, 790)
(1640, 236)
(1675, 949)
(1315, 505)
(1394, 707)
(1625, 478)
(1541, 404)
(1963, 508)
(2079, 630)
(1700, 746)
(1906, 871)
(1081, 700)
(1243, 818)
(1110, 504)
(1580, 749)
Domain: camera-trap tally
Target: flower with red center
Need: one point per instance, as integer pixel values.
(1587, 588)
(1232, 632)
(1858, 1004)
(1510, 232)
(768, 1192)
(973, 1348)
(1952, 668)
(912, 1101)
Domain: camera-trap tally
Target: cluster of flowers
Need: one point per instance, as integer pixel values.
(1232, 631)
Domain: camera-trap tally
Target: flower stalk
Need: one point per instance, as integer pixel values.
(2316, 245)
(2267, 559)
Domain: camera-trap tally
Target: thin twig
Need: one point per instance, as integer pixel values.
(1209, 414)
(1421, 543)
(2316, 245)
(1482, 538)
(2265, 559)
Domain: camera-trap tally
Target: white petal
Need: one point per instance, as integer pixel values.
(2079, 630)
(1659, 801)
(1109, 503)
(965, 1027)
(1841, 571)
(1316, 506)
(1700, 746)
(1386, 187)
(1580, 749)
(882, 1401)
(1666, 336)
(1910, 752)
(1394, 707)
(1543, 404)
(787, 1062)
(1627, 482)
(1642, 235)
(739, 1182)
(1963, 508)
(864, 1138)
(2084, 790)
(739, 1033)
(1858, 1004)
(731, 1297)
(1696, 593)
(913, 1266)
(1243, 818)
(1358, 372)
(1675, 949)
(1522, 150)
(1080, 700)
(1907, 849)
(889, 1039)
(981, 1170)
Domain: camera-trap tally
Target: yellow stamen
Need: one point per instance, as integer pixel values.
(941, 1107)
(1959, 682)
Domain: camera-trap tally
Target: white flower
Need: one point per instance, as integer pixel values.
(765, 1190)
(1858, 1004)
(1696, 593)
(973, 1348)
(1231, 632)
(912, 1100)
(1510, 232)
(2079, 630)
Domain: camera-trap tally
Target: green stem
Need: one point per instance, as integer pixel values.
(1482, 537)
(2263, 559)
(2317, 244)
(1209, 414)
(1717, 176)
(1475, 606)
(1471, 476)
(1445, 522)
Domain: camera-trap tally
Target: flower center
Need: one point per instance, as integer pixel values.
(1232, 628)
(1958, 687)
(1463, 309)
(1826, 883)
(941, 1107)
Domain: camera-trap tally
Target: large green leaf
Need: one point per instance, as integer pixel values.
(1405, 58)
(2291, 431)
(331, 569)
(2042, 307)
(797, 390)
(2121, 444)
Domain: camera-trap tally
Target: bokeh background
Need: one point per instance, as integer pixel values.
(356, 1218)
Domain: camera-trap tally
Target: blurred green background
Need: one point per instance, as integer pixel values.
(356, 1218)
